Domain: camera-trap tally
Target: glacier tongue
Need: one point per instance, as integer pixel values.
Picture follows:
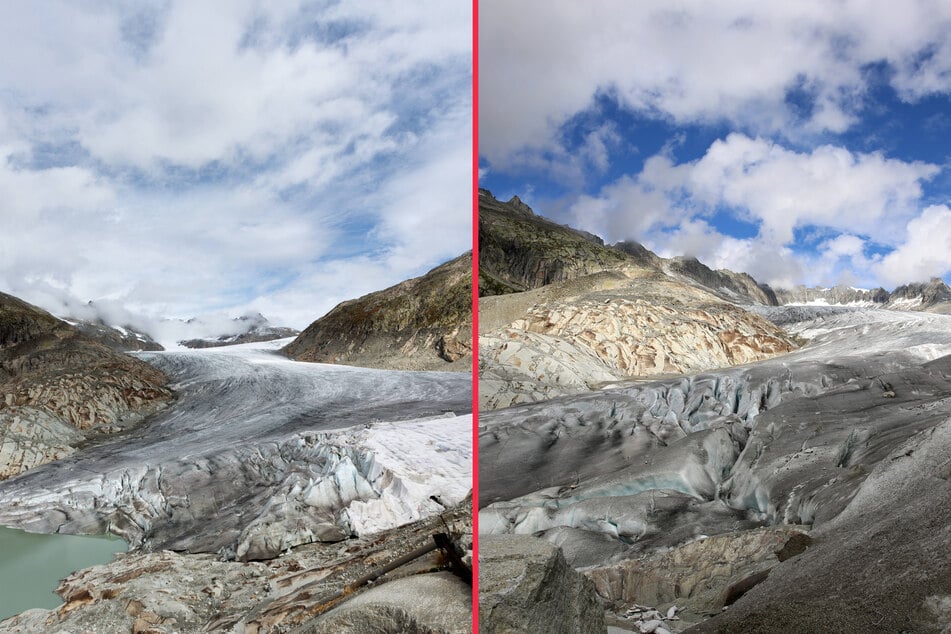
(259, 454)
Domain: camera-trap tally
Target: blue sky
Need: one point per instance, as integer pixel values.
(214, 158)
(801, 142)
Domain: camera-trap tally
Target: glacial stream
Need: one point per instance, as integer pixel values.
(32, 565)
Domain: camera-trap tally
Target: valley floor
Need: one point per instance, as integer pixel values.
(257, 455)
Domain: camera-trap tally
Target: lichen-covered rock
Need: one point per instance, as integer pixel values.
(525, 585)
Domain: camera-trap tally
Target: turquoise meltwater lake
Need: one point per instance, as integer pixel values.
(32, 565)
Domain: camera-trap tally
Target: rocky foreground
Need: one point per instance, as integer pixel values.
(313, 588)
(310, 467)
(807, 492)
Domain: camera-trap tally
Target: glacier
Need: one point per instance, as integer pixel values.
(259, 454)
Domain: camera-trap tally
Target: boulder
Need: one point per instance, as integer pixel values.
(525, 585)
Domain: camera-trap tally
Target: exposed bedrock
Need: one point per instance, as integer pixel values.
(610, 329)
(166, 592)
(259, 454)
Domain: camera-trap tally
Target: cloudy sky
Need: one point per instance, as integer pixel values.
(180, 158)
(802, 142)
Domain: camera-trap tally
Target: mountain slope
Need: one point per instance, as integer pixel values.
(519, 251)
(58, 387)
(576, 314)
(424, 323)
(119, 338)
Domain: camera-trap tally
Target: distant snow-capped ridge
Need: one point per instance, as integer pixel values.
(247, 329)
(918, 296)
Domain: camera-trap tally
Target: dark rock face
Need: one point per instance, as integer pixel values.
(737, 287)
(525, 585)
(58, 387)
(421, 324)
(931, 292)
(519, 250)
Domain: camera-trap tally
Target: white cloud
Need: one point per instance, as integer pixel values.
(828, 186)
(183, 158)
(925, 253)
(736, 62)
(854, 197)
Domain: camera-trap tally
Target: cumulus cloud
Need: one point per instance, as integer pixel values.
(731, 62)
(926, 251)
(779, 191)
(185, 158)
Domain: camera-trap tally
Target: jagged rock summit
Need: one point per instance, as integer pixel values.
(424, 323)
(60, 387)
(562, 313)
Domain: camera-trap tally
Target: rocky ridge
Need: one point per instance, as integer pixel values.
(119, 338)
(931, 296)
(421, 324)
(59, 388)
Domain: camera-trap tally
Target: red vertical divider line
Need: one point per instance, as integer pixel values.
(475, 316)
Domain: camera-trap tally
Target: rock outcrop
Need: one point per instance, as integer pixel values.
(58, 388)
(519, 251)
(525, 585)
(702, 575)
(739, 288)
(562, 313)
(421, 324)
